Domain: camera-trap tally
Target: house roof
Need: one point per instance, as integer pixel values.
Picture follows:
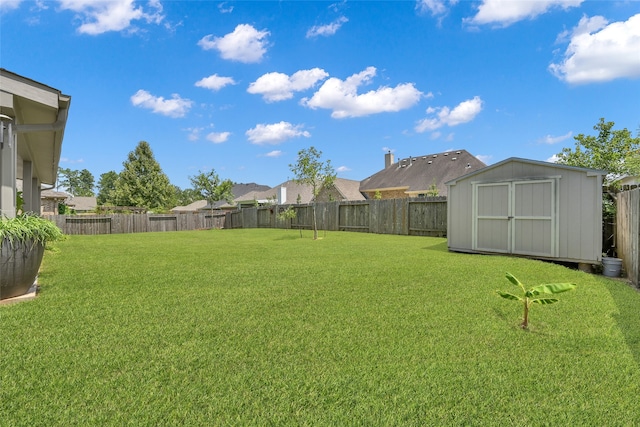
(39, 114)
(192, 207)
(238, 190)
(417, 173)
(588, 171)
(57, 195)
(347, 188)
(80, 203)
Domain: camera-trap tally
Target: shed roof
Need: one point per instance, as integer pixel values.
(588, 171)
(416, 174)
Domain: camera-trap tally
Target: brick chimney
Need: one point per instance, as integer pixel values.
(388, 159)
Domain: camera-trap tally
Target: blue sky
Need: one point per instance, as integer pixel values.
(242, 86)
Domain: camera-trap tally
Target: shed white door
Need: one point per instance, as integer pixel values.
(516, 217)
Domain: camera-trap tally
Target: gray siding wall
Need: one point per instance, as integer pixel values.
(579, 210)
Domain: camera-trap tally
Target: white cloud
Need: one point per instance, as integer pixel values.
(279, 86)
(101, 16)
(244, 44)
(553, 159)
(218, 137)
(275, 133)
(550, 139)
(328, 29)
(599, 51)
(444, 116)
(7, 5)
(484, 158)
(174, 107)
(342, 97)
(225, 8)
(215, 82)
(434, 7)
(274, 153)
(194, 133)
(507, 12)
(342, 169)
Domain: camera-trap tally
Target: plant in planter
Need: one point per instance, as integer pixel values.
(22, 243)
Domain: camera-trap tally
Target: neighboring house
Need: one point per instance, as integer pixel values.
(33, 117)
(528, 207)
(291, 193)
(419, 176)
(190, 208)
(628, 182)
(237, 190)
(51, 200)
(82, 204)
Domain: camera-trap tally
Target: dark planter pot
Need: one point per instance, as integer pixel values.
(19, 265)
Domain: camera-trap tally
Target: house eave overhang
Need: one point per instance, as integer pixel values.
(39, 115)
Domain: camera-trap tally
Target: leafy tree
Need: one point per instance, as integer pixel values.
(106, 188)
(142, 182)
(76, 182)
(310, 170)
(211, 188)
(615, 151)
(186, 196)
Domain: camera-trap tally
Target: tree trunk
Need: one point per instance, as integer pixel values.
(315, 227)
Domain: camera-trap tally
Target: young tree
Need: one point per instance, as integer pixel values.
(310, 170)
(615, 151)
(106, 188)
(142, 182)
(211, 188)
(76, 182)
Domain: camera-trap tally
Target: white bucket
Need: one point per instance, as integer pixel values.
(611, 266)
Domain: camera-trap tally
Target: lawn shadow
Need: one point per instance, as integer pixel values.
(628, 316)
(440, 247)
(289, 236)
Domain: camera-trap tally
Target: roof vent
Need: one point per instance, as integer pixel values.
(468, 165)
(435, 155)
(457, 152)
(454, 158)
(429, 162)
(446, 154)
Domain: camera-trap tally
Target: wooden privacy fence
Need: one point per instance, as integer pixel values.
(135, 223)
(418, 217)
(628, 233)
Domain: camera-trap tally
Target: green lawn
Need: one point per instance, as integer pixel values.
(260, 327)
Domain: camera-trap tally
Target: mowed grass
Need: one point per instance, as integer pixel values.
(260, 327)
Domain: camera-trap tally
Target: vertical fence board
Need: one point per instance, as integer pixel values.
(628, 233)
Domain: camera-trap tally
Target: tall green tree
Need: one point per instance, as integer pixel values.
(211, 187)
(76, 182)
(310, 170)
(186, 196)
(615, 151)
(106, 188)
(142, 183)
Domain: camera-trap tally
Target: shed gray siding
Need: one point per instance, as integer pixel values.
(573, 215)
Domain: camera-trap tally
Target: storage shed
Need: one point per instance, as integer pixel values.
(530, 208)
